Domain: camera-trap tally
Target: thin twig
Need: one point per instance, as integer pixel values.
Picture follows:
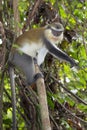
(31, 14)
(51, 117)
(78, 98)
(18, 109)
(72, 113)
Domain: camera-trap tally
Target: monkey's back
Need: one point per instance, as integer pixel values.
(30, 36)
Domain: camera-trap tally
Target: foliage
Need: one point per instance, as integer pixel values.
(68, 111)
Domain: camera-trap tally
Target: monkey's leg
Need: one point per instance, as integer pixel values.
(37, 75)
(25, 63)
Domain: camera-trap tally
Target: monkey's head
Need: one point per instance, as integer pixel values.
(54, 32)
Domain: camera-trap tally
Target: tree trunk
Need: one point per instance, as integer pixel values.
(16, 17)
(43, 101)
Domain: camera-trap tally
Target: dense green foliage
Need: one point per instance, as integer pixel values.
(73, 15)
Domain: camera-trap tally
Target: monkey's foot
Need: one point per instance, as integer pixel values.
(38, 75)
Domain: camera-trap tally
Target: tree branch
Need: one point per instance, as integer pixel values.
(43, 101)
(16, 16)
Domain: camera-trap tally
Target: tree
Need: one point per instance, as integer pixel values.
(66, 87)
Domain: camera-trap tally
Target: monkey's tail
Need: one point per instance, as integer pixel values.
(12, 83)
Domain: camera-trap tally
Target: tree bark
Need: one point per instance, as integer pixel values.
(16, 17)
(43, 101)
(1, 9)
(13, 98)
(2, 32)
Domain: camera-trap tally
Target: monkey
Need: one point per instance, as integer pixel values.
(32, 46)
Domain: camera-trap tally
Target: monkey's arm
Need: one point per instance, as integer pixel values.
(60, 54)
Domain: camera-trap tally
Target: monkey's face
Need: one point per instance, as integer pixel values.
(54, 32)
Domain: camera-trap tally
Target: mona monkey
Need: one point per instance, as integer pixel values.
(32, 46)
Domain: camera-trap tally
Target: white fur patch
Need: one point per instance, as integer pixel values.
(30, 49)
(35, 50)
(61, 29)
(41, 55)
(60, 38)
(53, 39)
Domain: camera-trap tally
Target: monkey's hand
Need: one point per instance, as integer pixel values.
(74, 64)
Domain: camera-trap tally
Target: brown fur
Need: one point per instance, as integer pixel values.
(32, 35)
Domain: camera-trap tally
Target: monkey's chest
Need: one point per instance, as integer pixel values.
(31, 49)
(35, 50)
(41, 55)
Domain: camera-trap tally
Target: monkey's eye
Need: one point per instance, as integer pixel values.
(56, 33)
(58, 27)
